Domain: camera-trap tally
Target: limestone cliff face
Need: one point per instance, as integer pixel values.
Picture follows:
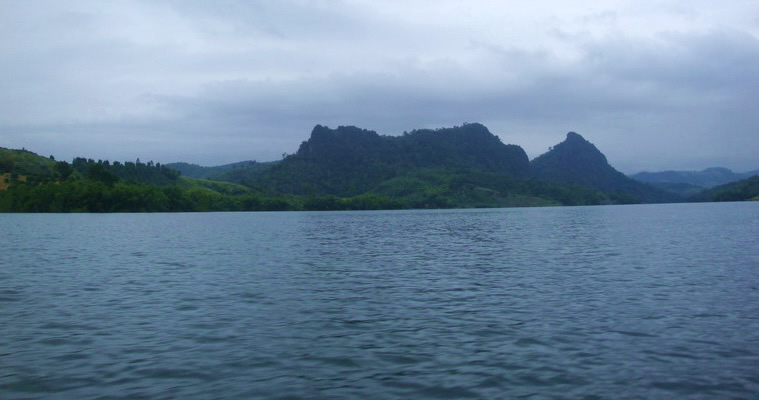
(347, 160)
(467, 146)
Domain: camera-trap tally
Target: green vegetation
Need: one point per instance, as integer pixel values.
(465, 188)
(746, 189)
(87, 185)
(86, 195)
(341, 169)
(23, 165)
(38, 184)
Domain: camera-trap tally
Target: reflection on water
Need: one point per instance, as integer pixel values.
(655, 301)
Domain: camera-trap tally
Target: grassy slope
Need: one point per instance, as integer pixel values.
(227, 188)
(25, 162)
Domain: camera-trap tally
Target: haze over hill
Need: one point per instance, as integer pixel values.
(707, 178)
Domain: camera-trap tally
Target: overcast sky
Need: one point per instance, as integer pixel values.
(653, 84)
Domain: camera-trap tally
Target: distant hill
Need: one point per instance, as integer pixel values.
(577, 161)
(216, 172)
(684, 190)
(746, 189)
(706, 179)
(348, 161)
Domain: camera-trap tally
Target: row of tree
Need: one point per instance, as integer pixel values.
(93, 195)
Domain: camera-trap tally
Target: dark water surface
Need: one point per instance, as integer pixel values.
(613, 302)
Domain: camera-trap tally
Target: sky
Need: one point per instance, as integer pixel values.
(655, 85)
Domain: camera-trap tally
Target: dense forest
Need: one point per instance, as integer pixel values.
(31, 183)
(348, 161)
(346, 168)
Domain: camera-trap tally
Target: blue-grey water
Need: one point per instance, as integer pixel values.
(610, 302)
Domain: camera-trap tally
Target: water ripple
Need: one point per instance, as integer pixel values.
(558, 303)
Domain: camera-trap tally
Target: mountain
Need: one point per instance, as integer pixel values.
(345, 168)
(577, 161)
(348, 161)
(746, 189)
(340, 169)
(707, 178)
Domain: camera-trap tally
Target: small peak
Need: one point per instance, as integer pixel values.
(320, 132)
(319, 128)
(574, 136)
(474, 125)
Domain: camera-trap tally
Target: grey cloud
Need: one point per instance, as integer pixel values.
(253, 78)
(719, 60)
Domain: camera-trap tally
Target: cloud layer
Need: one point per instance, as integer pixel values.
(655, 85)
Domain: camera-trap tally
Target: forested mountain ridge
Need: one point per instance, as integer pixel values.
(469, 146)
(347, 161)
(577, 161)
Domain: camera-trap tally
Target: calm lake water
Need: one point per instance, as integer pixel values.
(622, 302)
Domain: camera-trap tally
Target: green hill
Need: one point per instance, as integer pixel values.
(577, 161)
(24, 165)
(746, 189)
(32, 183)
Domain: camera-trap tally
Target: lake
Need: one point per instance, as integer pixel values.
(624, 302)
